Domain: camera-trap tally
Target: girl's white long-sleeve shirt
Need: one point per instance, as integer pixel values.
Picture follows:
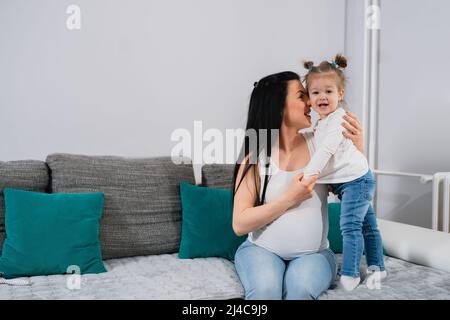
(336, 159)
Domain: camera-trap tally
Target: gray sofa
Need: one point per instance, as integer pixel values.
(140, 234)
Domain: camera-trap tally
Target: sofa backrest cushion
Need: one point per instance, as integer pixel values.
(29, 175)
(142, 210)
(218, 176)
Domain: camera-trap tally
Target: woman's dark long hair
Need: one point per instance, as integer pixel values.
(265, 112)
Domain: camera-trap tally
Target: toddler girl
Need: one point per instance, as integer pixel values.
(338, 163)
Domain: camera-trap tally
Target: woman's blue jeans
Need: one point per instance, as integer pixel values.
(359, 225)
(266, 276)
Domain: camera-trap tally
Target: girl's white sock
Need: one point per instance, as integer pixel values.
(373, 279)
(349, 283)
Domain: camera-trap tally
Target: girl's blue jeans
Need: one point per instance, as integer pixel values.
(359, 225)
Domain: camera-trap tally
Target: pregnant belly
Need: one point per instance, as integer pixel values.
(297, 231)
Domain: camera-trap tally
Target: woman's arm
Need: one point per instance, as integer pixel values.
(354, 131)
(247, 218)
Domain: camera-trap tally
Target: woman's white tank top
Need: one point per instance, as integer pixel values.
(301, 229)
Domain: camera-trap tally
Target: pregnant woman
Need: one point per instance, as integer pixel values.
(286, 254)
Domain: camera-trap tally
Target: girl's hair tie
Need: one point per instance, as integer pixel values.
(334, 64)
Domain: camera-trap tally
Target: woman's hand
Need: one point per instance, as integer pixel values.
(354, 130)
(299, 190)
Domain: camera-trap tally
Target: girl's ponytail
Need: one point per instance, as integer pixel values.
(336, 66)
(308, 65)
(340, 61)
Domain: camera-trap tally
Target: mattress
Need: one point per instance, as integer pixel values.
(405, 281)
(144, 277)
(169, 278)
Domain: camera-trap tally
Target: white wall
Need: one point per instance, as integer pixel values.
(137, 70)
(354, 51)
(414, 104)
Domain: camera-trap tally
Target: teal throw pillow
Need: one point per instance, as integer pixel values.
(334, 229)
(48, 233)
(206, 229)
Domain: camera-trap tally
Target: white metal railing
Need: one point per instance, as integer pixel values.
(371, 71)
(438, 179)
(370, 101)
(424, 178)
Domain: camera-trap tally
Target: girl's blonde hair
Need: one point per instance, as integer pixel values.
(337, 66)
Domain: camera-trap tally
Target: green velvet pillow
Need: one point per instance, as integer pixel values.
(47, 233)
(206, 229)
(334, 229)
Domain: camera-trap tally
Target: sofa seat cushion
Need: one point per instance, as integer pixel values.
(142, 211)
(167, 277)
(405, 281)
(145, 277)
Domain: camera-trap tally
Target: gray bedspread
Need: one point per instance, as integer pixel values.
(405, 281)
(167, 277)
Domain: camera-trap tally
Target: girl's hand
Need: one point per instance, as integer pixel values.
(354, 130)
(299, 190)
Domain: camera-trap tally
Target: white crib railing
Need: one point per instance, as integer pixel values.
(369, 118)
(444, 179)
(438, 179)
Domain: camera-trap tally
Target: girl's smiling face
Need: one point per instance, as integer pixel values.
(324, 93)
